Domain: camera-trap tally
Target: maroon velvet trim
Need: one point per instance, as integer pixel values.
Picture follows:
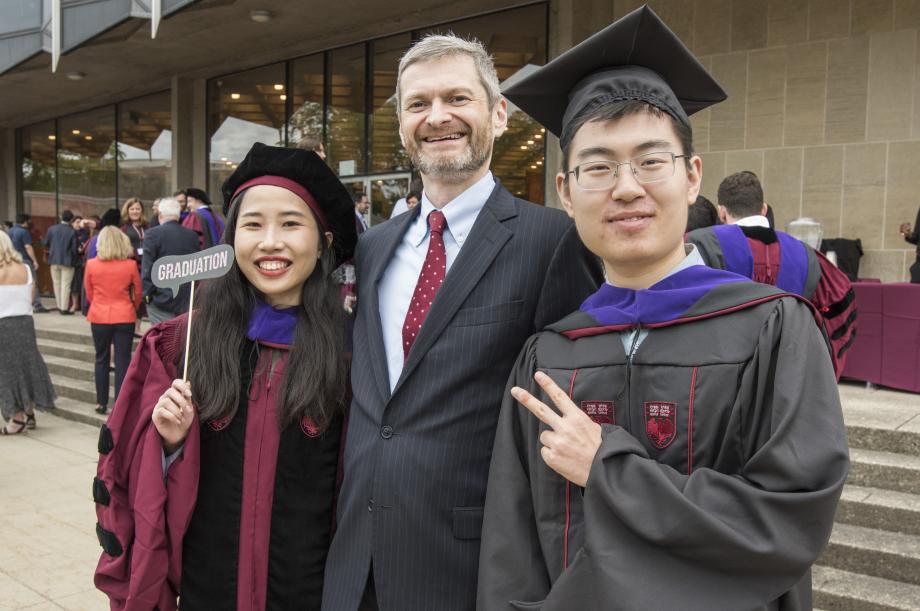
(601, 330)
(568, 494)
(294, 187)
(690, 422)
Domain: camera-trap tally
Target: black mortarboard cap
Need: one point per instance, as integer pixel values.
(637, 57)
(332, 205)
(199, 194)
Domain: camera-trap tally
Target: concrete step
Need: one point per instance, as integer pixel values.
(837, 590)
(82, 390)
(72, 368)
(869, 551)
(78, 411)
(71, 337)
(887, 470)
(68, 350)
(878, 508)
(883, 439)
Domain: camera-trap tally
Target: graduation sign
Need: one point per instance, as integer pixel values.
(175, 270)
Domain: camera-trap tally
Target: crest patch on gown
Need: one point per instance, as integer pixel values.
(309, 427)
(660, 423)
(601, 412)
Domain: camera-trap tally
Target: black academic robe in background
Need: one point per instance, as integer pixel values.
(714, 489)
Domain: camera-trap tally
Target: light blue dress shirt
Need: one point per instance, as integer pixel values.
(627, 337)
(398, 282)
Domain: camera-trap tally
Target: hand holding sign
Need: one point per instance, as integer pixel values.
(572, 440)
(172, 415)
(173, 271)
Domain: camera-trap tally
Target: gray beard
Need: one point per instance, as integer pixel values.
(453, 170)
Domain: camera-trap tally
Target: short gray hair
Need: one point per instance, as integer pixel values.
(438, 46)
(169, 208)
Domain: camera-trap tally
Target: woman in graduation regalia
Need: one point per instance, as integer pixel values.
(219, 491)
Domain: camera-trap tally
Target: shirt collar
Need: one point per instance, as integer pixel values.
(754, 220)
(460, 212)
(693, 258)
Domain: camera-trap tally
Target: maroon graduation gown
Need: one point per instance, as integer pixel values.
(243, 518)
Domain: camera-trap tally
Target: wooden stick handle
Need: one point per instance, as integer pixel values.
(188, 331)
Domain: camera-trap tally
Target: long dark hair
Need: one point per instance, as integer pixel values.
(315, 376)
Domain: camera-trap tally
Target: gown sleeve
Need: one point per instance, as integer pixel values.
(657, 538)
(142, 516)
(512, 564)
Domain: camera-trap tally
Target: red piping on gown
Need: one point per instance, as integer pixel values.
(568, 494)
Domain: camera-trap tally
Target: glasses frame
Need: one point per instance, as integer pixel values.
(616, 169)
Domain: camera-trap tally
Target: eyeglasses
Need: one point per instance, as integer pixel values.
(602, 175)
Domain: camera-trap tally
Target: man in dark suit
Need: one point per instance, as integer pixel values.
(362, 205)
(167, 238)
(61, 242)
(447, 296)
(913, 237)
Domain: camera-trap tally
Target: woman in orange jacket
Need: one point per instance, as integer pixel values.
(113, 288)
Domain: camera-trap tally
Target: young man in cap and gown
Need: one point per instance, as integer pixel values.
(220, 490)
(677, 442)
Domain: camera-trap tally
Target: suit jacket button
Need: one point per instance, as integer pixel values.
(370, 505)
(386, 432)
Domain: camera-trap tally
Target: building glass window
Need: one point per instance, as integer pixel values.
(514, 38)
(307, 91)
(345, 114)
(387, 153)
(86, 158)
(243, 108)
(39, 173)
(145, 148)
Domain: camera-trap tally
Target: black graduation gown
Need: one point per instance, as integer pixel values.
(723, 456)
(263, 520)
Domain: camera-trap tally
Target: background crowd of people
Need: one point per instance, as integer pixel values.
(100, 268)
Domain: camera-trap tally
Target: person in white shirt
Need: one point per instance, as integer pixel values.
(24, 380)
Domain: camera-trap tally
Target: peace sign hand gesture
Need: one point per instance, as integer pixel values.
(573, 439)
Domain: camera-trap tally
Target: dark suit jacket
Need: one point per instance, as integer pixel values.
(417, 460)
(170, 238)
(914, 238)
(61, 242)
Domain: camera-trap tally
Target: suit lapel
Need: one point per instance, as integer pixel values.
(486, 239)
(370, 299)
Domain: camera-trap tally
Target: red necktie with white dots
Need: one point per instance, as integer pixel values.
(429, 281)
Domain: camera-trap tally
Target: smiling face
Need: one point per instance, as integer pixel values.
(277, 243)
(445, 120)
(637, 229)
(134, 212)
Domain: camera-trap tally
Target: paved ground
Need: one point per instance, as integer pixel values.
(49, 548)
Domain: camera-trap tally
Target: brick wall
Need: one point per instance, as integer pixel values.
(824, 105)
